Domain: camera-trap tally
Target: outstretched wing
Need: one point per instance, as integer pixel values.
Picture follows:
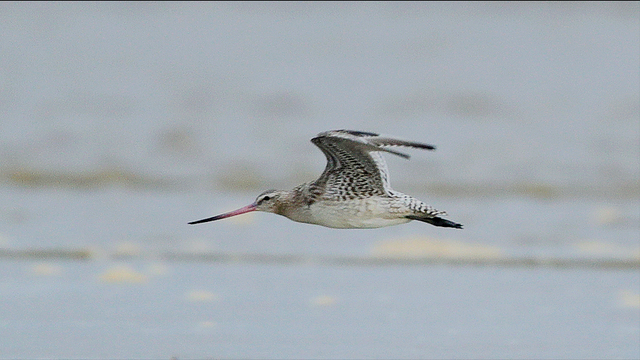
(355, 166)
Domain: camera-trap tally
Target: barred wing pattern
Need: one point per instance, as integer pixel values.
(355, 166)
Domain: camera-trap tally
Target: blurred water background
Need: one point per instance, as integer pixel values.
(121, 122)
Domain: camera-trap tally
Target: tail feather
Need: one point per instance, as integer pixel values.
(436, 221)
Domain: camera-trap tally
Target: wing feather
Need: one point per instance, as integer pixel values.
(355, 166)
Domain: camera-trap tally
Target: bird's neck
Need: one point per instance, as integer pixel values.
(292, 201)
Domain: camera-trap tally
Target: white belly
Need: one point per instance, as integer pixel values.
(363, 214)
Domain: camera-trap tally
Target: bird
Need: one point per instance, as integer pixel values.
(353, 191)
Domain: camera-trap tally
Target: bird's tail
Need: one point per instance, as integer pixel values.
(435, 221)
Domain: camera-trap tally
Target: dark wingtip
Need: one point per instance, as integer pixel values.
(419, 145)
(447, 223)
(436, 221)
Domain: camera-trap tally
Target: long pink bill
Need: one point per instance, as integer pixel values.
(243, 210)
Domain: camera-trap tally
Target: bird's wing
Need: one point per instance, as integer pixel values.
(355, 166)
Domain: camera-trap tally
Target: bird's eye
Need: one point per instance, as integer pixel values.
(266, 198)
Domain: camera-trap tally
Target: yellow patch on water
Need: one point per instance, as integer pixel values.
(46, 269)
(593, 247)
(608, 215)
(424, 247)
(201, 296)
(629, 299)
(206, 324)
(123, 274)
(324, 300)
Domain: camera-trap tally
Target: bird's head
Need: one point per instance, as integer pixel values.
(268, 201)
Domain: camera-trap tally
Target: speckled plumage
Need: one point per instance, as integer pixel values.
(354, 189)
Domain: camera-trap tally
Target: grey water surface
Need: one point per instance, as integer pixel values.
(120, 123)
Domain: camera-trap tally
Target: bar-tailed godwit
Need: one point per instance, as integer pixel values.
(352, 192)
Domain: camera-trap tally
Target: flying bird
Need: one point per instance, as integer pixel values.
(353, 192)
